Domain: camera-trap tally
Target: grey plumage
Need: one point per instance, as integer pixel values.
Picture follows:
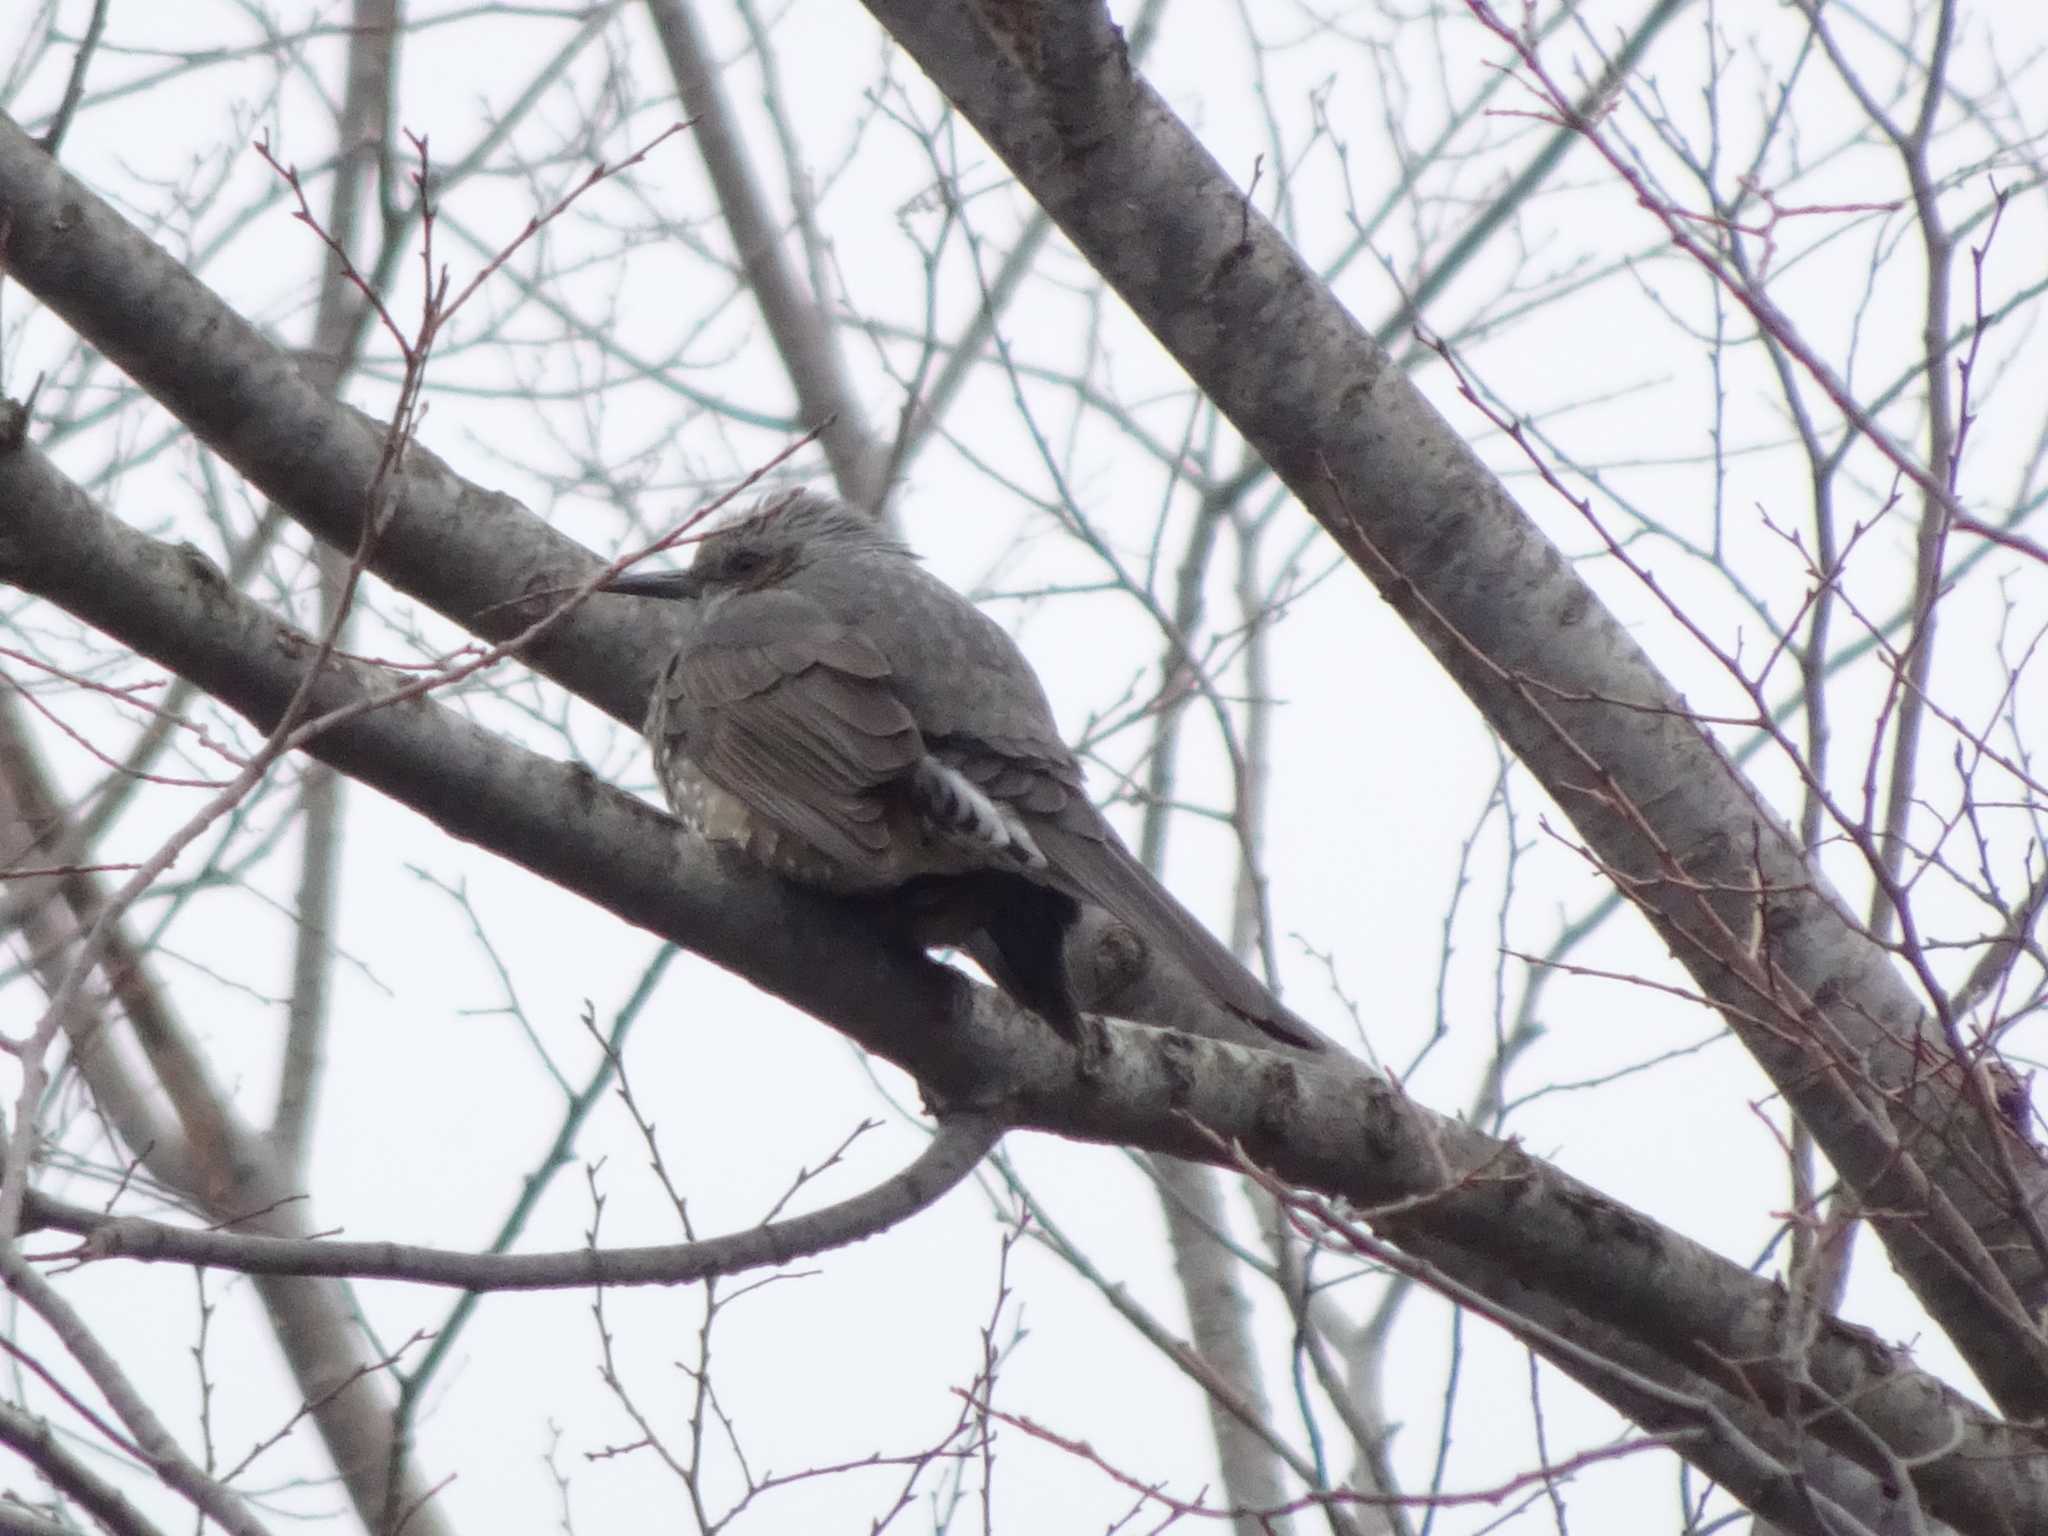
(855, 724)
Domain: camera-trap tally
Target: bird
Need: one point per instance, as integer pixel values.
(853, 724)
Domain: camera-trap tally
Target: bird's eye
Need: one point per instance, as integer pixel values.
(743, 562)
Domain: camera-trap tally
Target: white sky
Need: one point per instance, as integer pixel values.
(436, 1108)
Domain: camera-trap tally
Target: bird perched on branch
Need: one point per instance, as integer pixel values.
(856, 725)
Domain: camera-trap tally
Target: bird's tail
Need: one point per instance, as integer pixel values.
(1103, 871)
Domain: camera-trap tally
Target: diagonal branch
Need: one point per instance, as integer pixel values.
(1816, 1002)
(1483, 1211)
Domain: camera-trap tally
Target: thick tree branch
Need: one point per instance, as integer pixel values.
(1818, 1004)
(1483, 1211)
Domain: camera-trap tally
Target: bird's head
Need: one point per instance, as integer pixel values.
(764, 549)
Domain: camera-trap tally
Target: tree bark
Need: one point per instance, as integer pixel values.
(1954, 1194)
(1502, 1223)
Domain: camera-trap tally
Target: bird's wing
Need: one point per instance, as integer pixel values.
(797, 716)
(1038, 778)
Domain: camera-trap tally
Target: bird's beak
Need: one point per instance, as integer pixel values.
(670, 584)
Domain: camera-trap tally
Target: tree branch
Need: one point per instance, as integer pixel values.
(953, 1153)
(1482, 1210)
(804, 338)
(1674, 823)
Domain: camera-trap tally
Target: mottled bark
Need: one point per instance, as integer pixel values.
(1497, 1220)
(1819, 1004)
